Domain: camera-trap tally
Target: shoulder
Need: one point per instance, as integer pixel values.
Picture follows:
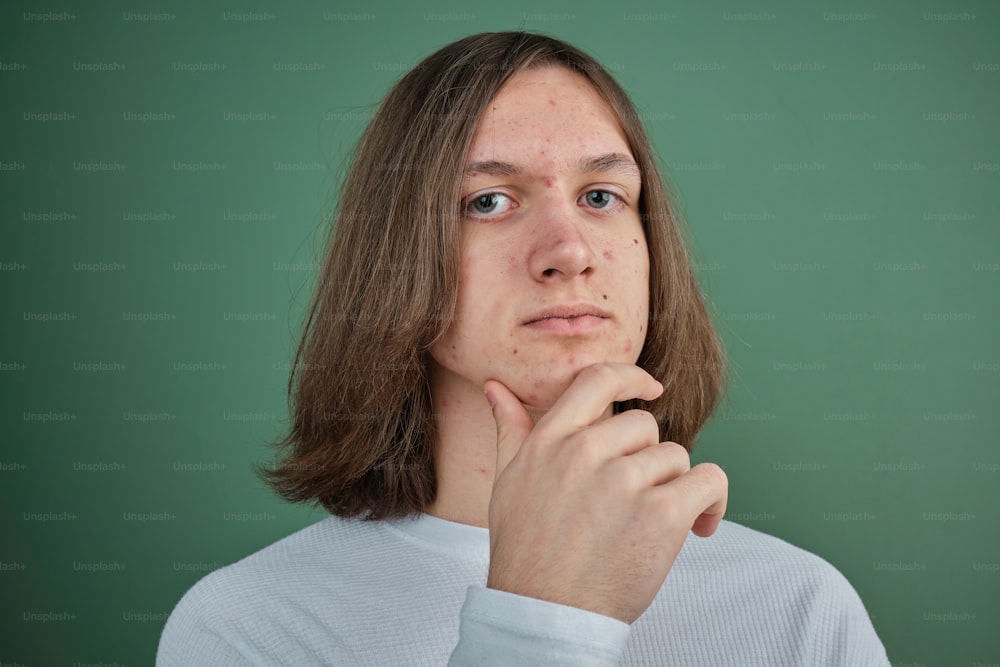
(230, 606)
(814, 615)
(760, 559)
(737, 538)
(318, 550)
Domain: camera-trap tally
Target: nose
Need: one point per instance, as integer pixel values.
(560, 247)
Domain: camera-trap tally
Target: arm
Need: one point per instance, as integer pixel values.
(499, 628)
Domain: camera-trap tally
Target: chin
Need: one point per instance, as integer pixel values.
(541, 386)
(541, 396)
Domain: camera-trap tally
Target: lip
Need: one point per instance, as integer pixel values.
(567, 318)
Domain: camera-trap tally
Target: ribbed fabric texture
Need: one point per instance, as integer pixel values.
(412, 592)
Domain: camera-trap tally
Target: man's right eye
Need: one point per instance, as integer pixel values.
(488, 204)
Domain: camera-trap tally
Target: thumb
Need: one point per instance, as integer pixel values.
(512, 419)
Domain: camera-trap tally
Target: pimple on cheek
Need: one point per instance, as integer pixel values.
(608, 255)
(628, 346)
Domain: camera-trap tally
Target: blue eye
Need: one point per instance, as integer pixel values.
(488, 203)
(599, 198)
(485, 203)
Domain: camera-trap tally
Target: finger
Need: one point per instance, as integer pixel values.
(512, 420)
(698, 497)
(659, 463)
(593, 390)
(623, 434)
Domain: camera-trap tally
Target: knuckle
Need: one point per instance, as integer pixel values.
(716, 473)
(601, 373)
(680, 455)
(646, 419)
(586, 448)
(624, 473)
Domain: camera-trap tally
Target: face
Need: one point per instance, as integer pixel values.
(554, 265)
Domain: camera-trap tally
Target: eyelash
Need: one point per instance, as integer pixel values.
(611, 209)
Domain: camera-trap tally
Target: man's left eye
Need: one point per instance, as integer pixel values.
(599, 198)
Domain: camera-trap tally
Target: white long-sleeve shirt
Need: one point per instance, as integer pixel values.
(412, 592)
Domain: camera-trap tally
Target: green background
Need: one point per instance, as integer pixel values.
(839, 167)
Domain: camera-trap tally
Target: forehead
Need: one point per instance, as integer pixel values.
(550, 114)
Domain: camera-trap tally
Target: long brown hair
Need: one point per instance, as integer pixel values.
(361, 442)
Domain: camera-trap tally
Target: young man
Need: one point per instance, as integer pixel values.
(506, 362)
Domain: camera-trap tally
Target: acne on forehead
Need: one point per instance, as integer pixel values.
(531, 97)
(523, 105)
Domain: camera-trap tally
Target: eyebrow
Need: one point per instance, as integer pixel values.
(606, 162)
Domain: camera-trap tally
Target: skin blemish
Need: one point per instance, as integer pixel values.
(515, 350)
(628, 346)
(552, 102)
(548, 182)
(604, 296)
(635, 241)
(608, 255)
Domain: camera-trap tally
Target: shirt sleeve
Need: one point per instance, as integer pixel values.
(500, 628)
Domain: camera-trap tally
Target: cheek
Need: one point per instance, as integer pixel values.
(480, 273)
(639, 259)
(632, 255)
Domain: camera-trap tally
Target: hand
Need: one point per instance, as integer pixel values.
(592, 515)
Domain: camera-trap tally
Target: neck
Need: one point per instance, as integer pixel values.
(465, 449)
